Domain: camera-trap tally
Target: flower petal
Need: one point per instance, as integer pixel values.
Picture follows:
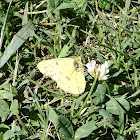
(98, 70)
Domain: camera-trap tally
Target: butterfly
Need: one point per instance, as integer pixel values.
(67, 72)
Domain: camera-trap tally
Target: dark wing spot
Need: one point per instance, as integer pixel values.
(67, 77)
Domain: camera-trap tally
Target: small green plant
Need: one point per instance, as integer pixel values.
(104, 4)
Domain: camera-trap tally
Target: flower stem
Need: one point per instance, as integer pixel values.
(85, 102)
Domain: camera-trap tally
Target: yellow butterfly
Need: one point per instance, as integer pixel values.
(67, 72)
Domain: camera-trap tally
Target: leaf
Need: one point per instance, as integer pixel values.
(14, 107)
(110, 27)
(133, 127)
(65, 6)
(135, 103)
(4, 127)
(62, 123)
(137, 51)
(106, 115)
(65, 127)
(124, 103)
(34, 118)
(119, 137)
(126, 12)
(99, 56)
(4, 94)
(115, 107)
(48, 47)
(52, 115)
(112, 107)
(99, 94)
(134, 94)
(138, 137)
(51, 3)
(7, 91)
(8, 135)
(25, 16)
(85, 130)
(64, 51)
(4, 110)
(117, 73)
(16, 42)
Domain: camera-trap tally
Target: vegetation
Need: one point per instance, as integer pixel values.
(32, 107)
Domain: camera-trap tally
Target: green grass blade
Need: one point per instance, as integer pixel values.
(16, 42)
(3, 28)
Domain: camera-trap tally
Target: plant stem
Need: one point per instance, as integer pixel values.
(85, 102)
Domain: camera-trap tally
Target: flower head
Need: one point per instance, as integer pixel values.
(98, 70)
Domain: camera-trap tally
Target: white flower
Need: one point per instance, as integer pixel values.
(91, 66)
(98, 70)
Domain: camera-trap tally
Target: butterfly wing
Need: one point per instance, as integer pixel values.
(73, 83)
(56, 68)
(63, 71)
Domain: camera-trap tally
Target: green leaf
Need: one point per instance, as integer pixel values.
(4, 110)
(52, 115)
(117, 73)
(53, 3)
(7, 86)
(118, 106)
(124, 103)
(126, 12)
(34, 118)
(62, 123)
(3, 127)
(135, 103)
(65, 6)
(25, 16)
(16, 42)
(109, 26)
(7, 91)
(64, 51)
(108, 6)
(4, 94)
(104, 4)
(14, 107)
(115, 107)
(85, 130)
(133, 127)
(8, 134)
(106, 115)
(134, 94)
(119, 137)
(65, 127)
(99, 94)
(138, 137)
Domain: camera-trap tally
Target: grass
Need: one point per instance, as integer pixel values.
(32, 107)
